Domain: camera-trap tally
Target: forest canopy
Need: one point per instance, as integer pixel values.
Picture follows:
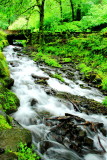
(54, 15)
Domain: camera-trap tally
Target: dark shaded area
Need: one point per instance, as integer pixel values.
(99, 27)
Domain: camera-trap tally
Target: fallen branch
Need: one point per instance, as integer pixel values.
(75, 106)
(101, 145)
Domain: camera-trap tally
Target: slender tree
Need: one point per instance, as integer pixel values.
(72, 9)
(40, 5)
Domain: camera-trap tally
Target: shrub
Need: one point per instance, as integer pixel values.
(105, 101)
(26, 153)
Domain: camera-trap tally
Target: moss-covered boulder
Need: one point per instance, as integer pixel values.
(11, 137)
(8, 100)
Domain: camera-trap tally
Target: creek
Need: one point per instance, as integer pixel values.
(35, 104)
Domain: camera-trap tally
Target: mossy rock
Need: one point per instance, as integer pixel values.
(8, 100)
(4, 71)
(84, 104)
(3, 123)
(10, 138)
(8, 156)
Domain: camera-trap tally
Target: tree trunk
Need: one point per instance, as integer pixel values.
(60, 2)
(72, 8)
(41, 27)
(78, 13)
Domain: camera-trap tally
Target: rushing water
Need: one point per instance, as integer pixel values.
(21, 68)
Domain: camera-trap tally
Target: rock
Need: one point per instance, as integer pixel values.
(33, 102)
(2, 150)
(50, 91)
(88, 142)
(103, 131)
(9, 82)
(16, 49)
(97, 81)
(10, 138)
(81, 135)
(45, 145)
(8, 156)
(41, 82)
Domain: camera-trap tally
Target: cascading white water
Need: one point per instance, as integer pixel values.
(25, 88)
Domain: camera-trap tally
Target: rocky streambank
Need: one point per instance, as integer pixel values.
(11, 133)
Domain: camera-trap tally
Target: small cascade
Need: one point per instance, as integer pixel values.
(38, 109)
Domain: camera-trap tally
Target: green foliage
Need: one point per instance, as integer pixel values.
(8, 100)
(58, 76)
(4, 71)
(26, 153)
(84, 68)
(66, 59)
(47, 59)
(105, 101)
(3, 41)
(104, 83)
(97, 15)
(66, 27)
(3, 123)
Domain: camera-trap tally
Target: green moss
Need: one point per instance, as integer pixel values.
(8, 100)
(47, 58)
(3, 41)
(4, 71)
(66, 59)
(58, 76)
(3, 123)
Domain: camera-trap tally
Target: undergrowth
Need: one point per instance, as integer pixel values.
(25, 153)
(89, 53)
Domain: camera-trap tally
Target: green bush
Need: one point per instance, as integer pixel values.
(105, 101)
(26, 153)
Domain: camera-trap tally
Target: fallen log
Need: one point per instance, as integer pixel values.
(40, 77)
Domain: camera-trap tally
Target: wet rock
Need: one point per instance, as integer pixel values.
(75, 147)
(9, 82)
(16, 49)
(50, 91)
(84, 87)
(8, 156)
(45, 145)
(41, 82)
(103, 131)
(10, 138)
(33, 102)
(81, 135)
(62, 154)
(97, 81)
(88, 142)
(2, 150)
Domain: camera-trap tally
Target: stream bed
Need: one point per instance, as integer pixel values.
(37, 105)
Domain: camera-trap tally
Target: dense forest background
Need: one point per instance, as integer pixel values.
(54, 15)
